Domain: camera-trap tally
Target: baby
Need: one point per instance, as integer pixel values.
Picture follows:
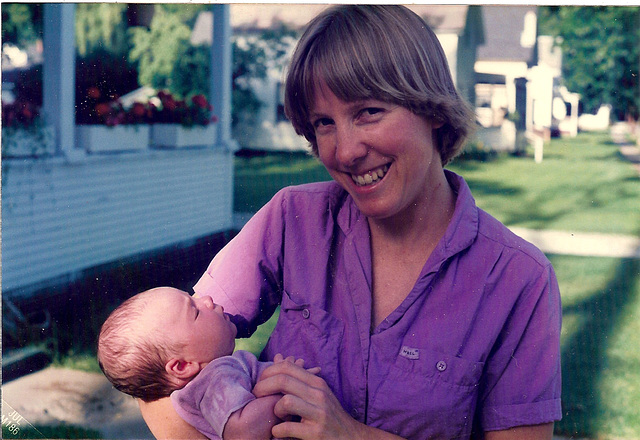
(164, 342)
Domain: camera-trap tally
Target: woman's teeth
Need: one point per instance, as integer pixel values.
(371, 176)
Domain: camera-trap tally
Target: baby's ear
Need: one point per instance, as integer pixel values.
(181, 369)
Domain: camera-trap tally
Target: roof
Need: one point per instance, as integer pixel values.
(509, 33)
(441, 18)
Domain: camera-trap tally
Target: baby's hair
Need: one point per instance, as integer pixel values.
(131, 357)
(386, 53)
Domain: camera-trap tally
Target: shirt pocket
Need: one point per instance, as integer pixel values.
(430, 394)
(307, 332)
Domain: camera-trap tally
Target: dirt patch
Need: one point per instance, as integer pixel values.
(56, 396)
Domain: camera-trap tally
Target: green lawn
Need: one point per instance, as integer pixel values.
(583, 185)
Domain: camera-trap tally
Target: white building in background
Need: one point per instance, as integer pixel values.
(458, 28)
(519, 89)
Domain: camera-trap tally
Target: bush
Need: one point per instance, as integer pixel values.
(478, 151)
(101, 77)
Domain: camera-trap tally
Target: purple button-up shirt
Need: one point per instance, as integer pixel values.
(473, 347)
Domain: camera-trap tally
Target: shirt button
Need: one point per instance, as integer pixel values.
(306, 313)
(441, 366)
(354, 412)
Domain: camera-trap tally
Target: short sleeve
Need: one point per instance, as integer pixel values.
(245, 276)
(221, 388)
(523, 375)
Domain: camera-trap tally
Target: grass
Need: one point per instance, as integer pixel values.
(257, 178)
(581, 185)
(600, 347)
(50, 432)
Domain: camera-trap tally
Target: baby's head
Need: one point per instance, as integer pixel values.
(157, 341)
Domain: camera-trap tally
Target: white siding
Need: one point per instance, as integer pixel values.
(59, 218)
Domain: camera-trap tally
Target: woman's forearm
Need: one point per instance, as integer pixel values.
(164, 422)
(254, 421)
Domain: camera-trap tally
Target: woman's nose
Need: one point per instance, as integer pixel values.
(349, 146)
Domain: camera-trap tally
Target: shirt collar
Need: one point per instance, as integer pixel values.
(460, 234)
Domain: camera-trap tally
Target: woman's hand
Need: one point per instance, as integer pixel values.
(309, 397)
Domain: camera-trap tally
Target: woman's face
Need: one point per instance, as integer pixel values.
(381, 153)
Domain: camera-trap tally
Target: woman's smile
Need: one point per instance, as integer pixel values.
(370, 177)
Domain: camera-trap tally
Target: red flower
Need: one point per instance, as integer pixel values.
(103, 109)
(138, 109)
(93, 93)
(26, 112)
(200, 101)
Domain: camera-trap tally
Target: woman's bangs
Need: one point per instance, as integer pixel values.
(343, 71)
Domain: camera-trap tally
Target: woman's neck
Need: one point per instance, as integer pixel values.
(422, 224)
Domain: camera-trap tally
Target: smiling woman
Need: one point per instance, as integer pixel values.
(426, 316)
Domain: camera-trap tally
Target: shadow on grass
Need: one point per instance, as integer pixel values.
(258, 178)
(584, 358)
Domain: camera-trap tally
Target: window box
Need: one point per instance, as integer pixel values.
(178, 136)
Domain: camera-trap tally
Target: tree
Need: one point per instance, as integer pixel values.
(156, 50)
(101, 26)
(601, 53)
(21, 23)
(253, 56)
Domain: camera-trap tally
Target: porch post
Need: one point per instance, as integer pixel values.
(220, 81)
(58, 86)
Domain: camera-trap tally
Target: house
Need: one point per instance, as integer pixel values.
(75, 209)
(503, 61)
(459, 29)
(518, 80)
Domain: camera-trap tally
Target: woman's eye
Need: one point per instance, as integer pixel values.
(322, 122)
(370, 114)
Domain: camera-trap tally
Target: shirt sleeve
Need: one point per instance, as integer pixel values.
(523, 378)
(220, 389)
(245, 276)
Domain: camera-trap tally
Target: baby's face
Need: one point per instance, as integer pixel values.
(198, 323)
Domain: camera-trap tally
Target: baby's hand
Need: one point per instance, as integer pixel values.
(299, 362)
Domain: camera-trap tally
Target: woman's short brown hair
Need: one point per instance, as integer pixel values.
(386, 53)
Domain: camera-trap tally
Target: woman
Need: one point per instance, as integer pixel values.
(428, 318)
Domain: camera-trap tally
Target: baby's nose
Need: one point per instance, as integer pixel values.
(208, 302)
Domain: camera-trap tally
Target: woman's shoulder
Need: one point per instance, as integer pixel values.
(493, 230)
(313, 197)
(328, 189)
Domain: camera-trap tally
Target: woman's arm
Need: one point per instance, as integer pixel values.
(309, 397)
(164, 422)
(536, 432)
(254, 421)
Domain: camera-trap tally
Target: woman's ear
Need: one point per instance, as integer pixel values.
(181, 369)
